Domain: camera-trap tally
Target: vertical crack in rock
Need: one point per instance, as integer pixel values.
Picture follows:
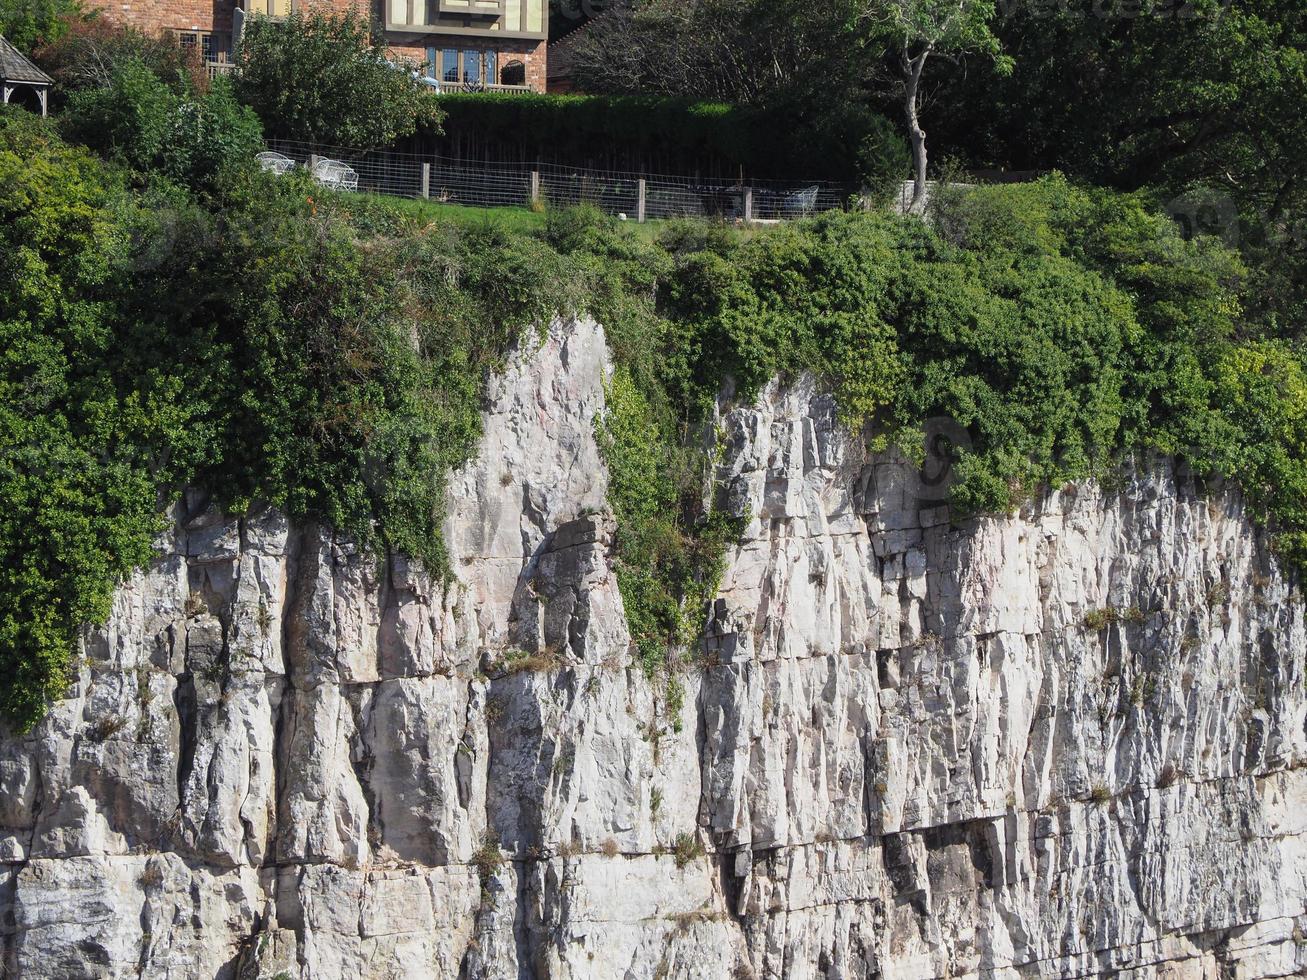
(184, 700)
(274, 876)
(8, 925)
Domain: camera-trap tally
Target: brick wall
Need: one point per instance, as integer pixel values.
(155, 16)
(537, 65)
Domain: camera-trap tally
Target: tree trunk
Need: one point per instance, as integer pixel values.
(917, 136)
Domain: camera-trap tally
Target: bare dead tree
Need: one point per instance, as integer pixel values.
(744, 51)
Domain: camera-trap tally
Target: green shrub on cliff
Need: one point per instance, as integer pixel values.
(87, 425)
(260, 349)
(1262, 393)
(191, 138)
(1058, 327)
(276, 342)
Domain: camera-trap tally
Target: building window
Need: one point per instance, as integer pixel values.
(472, 68)
(270, 8)
(212, 46)
(514, 74)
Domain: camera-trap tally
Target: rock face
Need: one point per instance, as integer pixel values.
(1062, 743)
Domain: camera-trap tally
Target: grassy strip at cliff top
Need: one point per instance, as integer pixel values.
(329, 355)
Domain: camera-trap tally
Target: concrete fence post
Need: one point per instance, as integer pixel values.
(748, 204)
(535, 186)
(641, 201)
(426, 181)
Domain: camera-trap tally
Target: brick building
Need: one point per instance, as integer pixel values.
(491, 44)
(472, 42)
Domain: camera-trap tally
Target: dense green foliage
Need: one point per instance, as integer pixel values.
(1021, 321)
(28, 23)
(85, 419)
(1144, 94)
(256, 345)
(325, 79)
(138, 120)
(1262, 389)
(679, 135)
(327, 354)
(1163, 95)
(91, 51)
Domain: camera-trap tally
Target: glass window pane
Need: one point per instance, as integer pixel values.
(492, 67)
(431, 63)
(472, 67)
(449, 65)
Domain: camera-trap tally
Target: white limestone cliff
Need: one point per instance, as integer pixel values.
(1062, 743)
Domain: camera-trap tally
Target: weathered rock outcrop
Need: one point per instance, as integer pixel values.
(1062, 743)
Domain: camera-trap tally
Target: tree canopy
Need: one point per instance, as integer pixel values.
(1199, 101)
(325, 79)
(187, 136)
(744, 51)
(29, 23)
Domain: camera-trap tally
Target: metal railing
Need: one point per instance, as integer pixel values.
(509, 89)
(636, 196)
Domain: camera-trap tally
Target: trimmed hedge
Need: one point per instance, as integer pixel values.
(654, 134)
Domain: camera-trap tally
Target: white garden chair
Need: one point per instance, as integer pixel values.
(800, 203)
(274, 163)
(336, 175)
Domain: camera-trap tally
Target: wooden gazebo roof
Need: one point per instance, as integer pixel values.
(16, 69)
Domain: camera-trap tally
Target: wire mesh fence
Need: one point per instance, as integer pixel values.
(637, 196)
(612, 193)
